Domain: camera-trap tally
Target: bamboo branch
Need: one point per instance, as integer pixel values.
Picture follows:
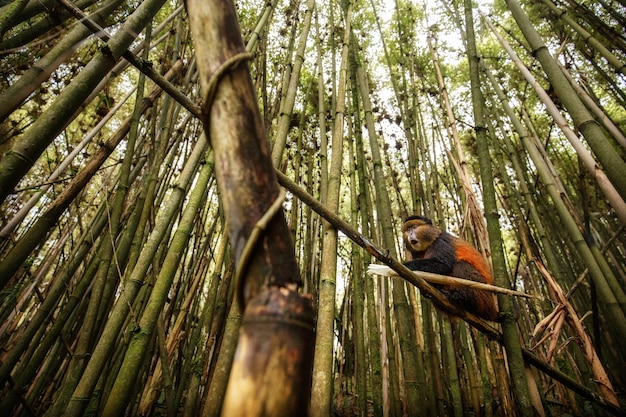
(448, 280)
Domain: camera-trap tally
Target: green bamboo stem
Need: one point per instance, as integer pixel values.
(37, 14)
(132, 284)
(321, 393)
(118, 398)
(284, 119)
(14, 259)
(9, 14)
(589, 39)
(610, 160)
(415, 381)
(510, 333)
(45, 128)
(18, 91)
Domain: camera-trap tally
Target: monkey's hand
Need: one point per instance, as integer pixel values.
(384, 270)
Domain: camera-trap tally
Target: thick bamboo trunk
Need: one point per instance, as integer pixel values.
(271, 373)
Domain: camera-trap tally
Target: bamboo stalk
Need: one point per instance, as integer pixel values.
(448, 280)
(271, 372)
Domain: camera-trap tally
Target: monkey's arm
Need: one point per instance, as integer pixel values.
(434, 265)
(427, 265)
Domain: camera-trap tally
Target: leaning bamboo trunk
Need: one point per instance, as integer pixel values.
(14, 259)
(22, 156)
(271, 373)
(613, 164)
(510, 335)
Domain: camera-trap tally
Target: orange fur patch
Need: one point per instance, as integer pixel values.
(465, 252)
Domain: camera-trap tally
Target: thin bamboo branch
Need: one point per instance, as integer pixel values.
(448, 280)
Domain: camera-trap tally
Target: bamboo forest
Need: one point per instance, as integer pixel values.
(209, 208)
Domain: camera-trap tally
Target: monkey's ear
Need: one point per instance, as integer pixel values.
(384, 270)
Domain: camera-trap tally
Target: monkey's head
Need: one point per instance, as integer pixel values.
(418, 233)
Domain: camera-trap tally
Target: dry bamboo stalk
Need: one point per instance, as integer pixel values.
(569, 314)
(447, 280)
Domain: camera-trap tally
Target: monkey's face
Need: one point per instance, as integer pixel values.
(418, 236)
